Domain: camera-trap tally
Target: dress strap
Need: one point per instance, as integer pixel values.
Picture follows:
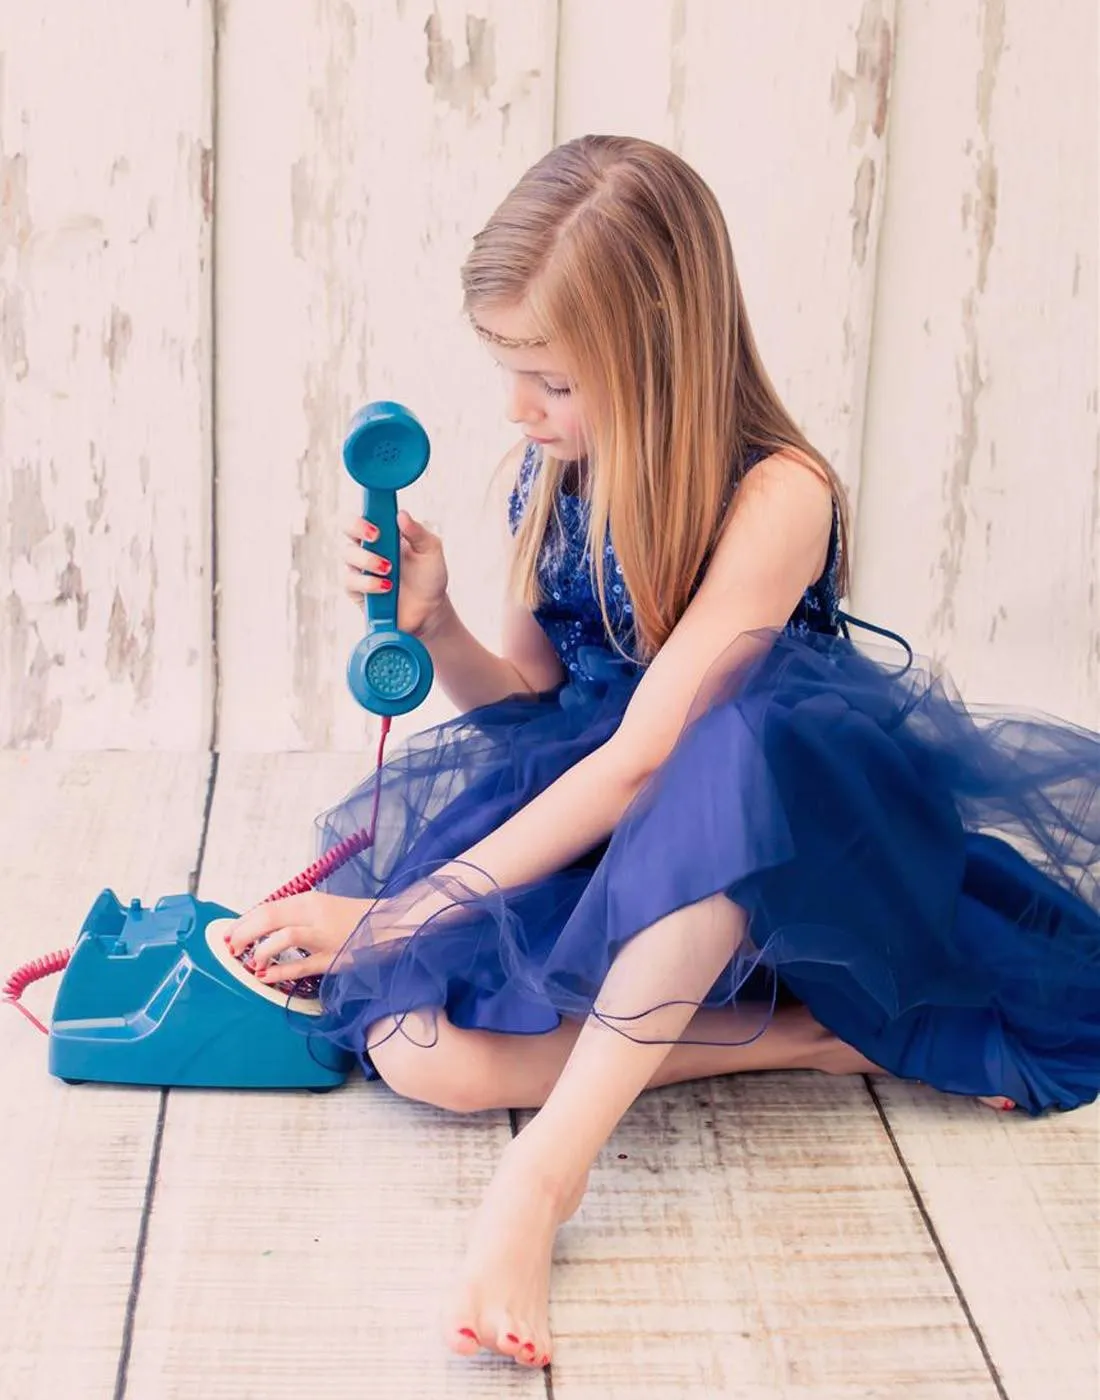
(846, 620)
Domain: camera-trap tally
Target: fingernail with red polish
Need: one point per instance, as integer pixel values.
(465, 1332)
(511, 1337)
(385, 585)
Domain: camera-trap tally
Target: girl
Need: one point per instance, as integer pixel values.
(684, 827)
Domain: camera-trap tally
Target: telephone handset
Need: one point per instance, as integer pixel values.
(386, 449)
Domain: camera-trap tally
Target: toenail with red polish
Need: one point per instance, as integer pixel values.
(511, 1337)
(465, 1332)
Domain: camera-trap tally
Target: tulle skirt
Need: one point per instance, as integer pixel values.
(923, 877)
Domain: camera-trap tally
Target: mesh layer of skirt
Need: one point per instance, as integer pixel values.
(924, 877)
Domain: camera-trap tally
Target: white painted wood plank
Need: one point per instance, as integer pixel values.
(74, 1161)
(756, 1237)
(980, 533)
(294, 1231)
(616, 68)
(106, 179)
(1016, 1206)
(361, 150)
(783, 109)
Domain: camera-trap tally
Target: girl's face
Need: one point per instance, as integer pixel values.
(541, 395)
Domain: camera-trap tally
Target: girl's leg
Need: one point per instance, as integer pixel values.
(585, 1078)
(428, 1059)
(502, 1301)
(469, 1071)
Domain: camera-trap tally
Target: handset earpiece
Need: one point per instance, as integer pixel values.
(386, 449)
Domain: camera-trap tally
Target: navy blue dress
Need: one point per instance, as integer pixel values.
(924, 878)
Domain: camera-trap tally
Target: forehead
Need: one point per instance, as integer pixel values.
(515, 323)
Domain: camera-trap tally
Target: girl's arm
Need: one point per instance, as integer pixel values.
(470, 674)
(773, 548)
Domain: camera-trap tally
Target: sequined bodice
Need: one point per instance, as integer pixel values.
(570, 612)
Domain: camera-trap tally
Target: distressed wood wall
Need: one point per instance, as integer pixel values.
(224, 230)
(106, 207)
(981, 527)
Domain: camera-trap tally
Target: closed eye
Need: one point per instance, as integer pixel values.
(557, 391)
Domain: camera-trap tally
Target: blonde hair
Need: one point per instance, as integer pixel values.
(620, 253)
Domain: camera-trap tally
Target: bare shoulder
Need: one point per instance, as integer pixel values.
(791, 477)
(782, 510)
(787, 484)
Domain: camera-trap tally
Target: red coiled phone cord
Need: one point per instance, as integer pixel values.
(331, 861)
(34, 971)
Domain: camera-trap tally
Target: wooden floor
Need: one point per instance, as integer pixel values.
(778, 1235)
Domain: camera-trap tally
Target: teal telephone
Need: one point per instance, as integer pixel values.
(152, 995)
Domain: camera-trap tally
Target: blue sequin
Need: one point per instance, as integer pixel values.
(570, 613)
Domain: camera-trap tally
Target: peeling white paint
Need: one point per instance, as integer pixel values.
(104, 425)
(980, 532)
(365, 145)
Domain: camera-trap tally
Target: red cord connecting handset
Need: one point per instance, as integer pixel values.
(37, 968)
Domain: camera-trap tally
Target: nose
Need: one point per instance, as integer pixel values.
(521, 404)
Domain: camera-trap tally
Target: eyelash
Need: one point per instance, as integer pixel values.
(556, 393)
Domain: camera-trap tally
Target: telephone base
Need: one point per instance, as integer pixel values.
(151, 996)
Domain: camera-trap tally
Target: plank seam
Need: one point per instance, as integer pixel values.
(204, 831)
(122, 1375)
(876, 289)
(216, 16)
(918, 1200)
(555, 125)
(547, 1376)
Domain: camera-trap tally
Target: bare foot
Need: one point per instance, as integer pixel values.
(502, 1299)
(835, 1057)
(999, 1102)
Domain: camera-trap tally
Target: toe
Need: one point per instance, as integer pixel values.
(463, 1340)
(502, 1333)
(534, 1354)
(509, 1343)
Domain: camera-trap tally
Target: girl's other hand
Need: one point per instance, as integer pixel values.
(423, 590)
(319, 924)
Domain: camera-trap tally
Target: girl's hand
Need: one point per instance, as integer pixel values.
(318, 923)
(423, 589)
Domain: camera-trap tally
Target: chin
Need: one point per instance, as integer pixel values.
(562, 451)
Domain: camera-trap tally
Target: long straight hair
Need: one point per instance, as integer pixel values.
(620, 253)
